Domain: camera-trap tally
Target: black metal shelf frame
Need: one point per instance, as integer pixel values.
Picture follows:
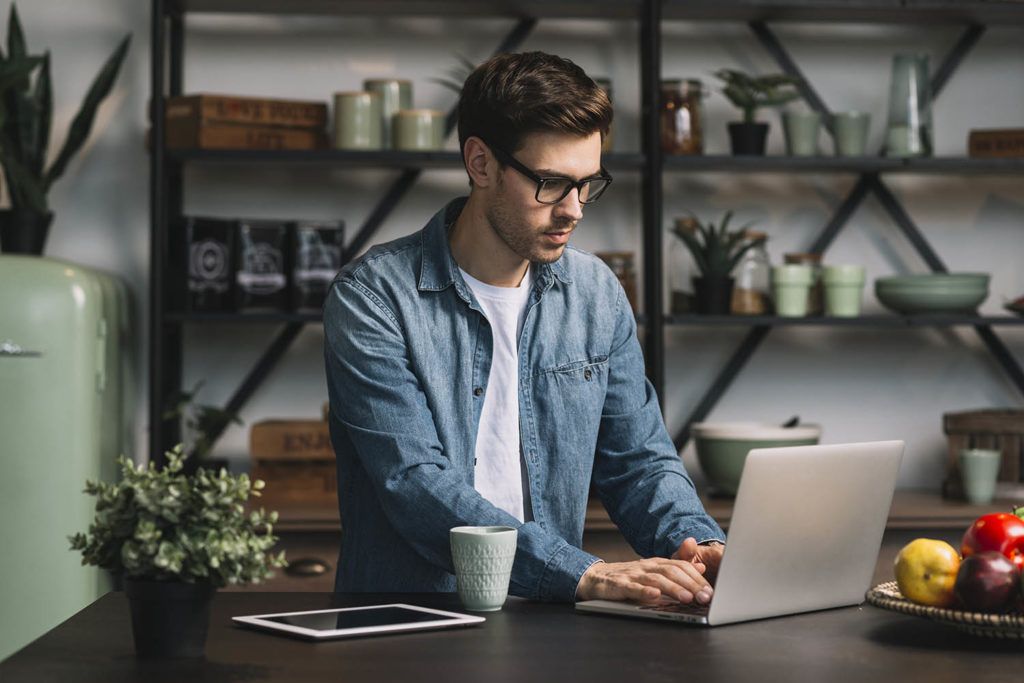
(166, 166)
(166, 178)
(869, 182)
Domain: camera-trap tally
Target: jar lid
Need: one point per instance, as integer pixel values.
(684, 84)
(755, 235)
(802, 257)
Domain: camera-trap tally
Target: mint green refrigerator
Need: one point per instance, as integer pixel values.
(64, 373)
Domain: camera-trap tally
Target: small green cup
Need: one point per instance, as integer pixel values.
(802, 129)
(844, 285)
(979, 470)
(851, 133)
(791, 286)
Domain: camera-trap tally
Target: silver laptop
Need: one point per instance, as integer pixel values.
(805, 533)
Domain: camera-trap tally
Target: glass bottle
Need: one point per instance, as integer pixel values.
(815, 301)
(751, 292)
(682, 117)
(622, 264)
(909, 131)
(681, 270)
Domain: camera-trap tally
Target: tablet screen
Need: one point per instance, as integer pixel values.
(354, 618)
(357, 621)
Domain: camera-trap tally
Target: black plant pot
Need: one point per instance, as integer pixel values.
(169, 618)
(712, 295)
(748, 139)
(24, 232)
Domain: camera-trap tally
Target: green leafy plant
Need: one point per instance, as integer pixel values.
(202, 423)
(162, 525)
(715, 249)
(750, 93)
(26, 117)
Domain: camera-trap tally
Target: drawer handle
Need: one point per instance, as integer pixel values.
(9, 348)
(307, 567)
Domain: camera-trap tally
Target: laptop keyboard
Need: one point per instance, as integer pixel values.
(679, 608)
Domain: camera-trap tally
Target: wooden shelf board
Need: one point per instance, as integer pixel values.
(921, 320)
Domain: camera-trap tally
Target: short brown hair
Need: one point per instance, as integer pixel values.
(514, 94)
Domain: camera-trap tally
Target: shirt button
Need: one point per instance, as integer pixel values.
(586, 375)
(478, 391)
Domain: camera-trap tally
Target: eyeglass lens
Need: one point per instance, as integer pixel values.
(553, 190)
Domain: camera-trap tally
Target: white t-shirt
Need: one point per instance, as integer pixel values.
(500, 475)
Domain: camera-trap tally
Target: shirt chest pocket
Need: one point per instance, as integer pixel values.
(576, 389)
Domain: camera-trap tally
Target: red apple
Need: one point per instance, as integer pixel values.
(987, 582)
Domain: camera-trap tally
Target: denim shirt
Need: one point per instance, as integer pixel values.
(408, 354)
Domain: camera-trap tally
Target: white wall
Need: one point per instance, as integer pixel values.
(859, 384)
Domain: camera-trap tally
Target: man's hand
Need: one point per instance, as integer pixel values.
(710, 556)
(646, 580)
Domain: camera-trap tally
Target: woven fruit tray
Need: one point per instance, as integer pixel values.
(887, 596)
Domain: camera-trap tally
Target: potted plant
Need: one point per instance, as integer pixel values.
(26, 115)
(750, 93)
(175, 539)
(715, 251)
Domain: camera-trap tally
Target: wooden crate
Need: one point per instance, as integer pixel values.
(296, 460)
(997, 428)
(297, 481)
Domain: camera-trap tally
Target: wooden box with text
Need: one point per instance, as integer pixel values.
(296, 460)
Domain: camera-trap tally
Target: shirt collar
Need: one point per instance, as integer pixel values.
(438, 269)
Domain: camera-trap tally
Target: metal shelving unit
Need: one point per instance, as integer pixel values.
(647, 16)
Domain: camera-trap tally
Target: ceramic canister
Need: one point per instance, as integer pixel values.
(418, 129)
(395, 95)
(356, 120)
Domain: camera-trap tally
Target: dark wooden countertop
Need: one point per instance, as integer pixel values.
(526, 641)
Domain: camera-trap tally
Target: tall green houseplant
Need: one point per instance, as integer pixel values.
(26, 118)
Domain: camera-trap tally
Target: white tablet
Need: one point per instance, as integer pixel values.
(349, 622)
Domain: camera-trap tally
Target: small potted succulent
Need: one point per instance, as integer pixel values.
(716, 250)
(175, 539)
(750, 93)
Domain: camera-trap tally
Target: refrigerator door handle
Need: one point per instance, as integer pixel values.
(9, 348)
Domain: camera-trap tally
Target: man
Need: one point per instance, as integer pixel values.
(481, 372)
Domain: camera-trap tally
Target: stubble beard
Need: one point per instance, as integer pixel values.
(524, 240)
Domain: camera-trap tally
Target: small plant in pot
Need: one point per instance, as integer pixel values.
(716, 250)
(750, 93)
(175, 539)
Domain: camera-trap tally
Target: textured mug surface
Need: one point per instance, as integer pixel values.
(483, 557)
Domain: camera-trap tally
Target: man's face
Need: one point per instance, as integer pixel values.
(539, 232)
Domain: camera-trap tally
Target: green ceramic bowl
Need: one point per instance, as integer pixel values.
(722, 447)
(933, 292)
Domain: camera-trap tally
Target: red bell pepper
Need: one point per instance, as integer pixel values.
(999, 531)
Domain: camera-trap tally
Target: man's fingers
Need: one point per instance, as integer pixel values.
(646, 580)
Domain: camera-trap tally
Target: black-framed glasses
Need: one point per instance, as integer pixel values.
(553, 189)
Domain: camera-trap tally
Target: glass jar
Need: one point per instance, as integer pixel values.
(909, 131)
(682, 117)
(622, 264)
(681, 270)
(751, 292)
(815, 301)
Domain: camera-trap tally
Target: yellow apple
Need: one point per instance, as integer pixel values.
(926, 571)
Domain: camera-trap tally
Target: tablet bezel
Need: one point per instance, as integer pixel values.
(445, 620)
